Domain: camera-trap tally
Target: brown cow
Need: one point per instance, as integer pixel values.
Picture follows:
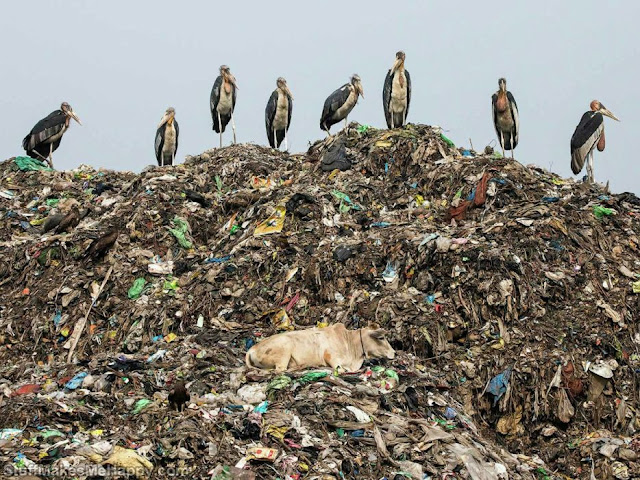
(333, 346)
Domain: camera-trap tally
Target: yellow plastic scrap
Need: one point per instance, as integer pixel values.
(499, 345)
(557, 181)
(636, 287)
(277, 432)
(383, 144)
(322, 324)
(282, 321)
(273, 224)
(170, 338)
(130, 461)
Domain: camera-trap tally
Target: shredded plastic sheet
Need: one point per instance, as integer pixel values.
(181, 231)
(136, 289)
(498, 384)
(273, 224)
(28, 164)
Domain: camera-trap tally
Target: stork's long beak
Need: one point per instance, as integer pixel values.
(607, 113)
(165, 119)
(75, 117)
(396, 65)
(286, 89)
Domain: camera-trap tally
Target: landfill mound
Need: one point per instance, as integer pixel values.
(509, 293)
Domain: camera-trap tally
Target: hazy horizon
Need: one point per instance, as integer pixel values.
(120, 65)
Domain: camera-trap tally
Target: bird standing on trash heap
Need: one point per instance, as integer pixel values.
(277, 116)
(166, 144)
(179, 396)
(45, 137)
(396, 94)
(588, 134)
(223, 101)
(505, 117)
(340, 103)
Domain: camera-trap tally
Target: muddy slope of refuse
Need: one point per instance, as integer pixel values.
(509, 293)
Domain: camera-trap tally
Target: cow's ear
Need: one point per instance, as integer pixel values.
(378, 334)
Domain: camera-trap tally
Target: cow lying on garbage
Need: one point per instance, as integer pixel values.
(333, 346)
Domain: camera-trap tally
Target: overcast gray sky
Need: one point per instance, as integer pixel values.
(121, 63)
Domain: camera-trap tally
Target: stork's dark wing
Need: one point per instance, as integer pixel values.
(585, 137)
(269, 115)
(49, 126)
(333, 103)
(515, 133)
(408, 77)
(386, 97)
(235, 93)
(494, 99)
(214, 99)
(159, 143)
(175, 124)
(290, 111)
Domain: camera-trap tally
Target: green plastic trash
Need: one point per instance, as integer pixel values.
(363, 128)
(28, 164)
(392, 374)
(180, 232)
(346, 203)
(140, 405)
(311, 377)
(136, 289)
(278, 383)
(52, 202)
(447, 141)
(599, 211)
(51, 433)
(170, 286)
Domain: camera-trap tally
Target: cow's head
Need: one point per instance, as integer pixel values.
(376, 345)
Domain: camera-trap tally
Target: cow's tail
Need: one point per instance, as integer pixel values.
(247, 359)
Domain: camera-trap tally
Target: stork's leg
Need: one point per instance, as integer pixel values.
(502, 143)
(233, 125)
(590, 177)
(345, 123)
(50, 159)
(220, 128)
(286, 146)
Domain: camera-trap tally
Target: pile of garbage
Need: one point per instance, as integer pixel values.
(509, 294)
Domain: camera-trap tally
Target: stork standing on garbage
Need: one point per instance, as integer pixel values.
(223, 102)
(505, 117)
(589, 134)
(277, 116)
(166, 144)
(45, 137)
(396, 94)
(340, 103)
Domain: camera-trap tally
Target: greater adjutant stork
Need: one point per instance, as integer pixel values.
(277, 115)
(396, 94)
(45, 137)
(589, 134)
(340, 103)
(166, 144)
(223, 101)
(505, 117)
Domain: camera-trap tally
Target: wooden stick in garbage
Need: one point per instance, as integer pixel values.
(77, 330)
